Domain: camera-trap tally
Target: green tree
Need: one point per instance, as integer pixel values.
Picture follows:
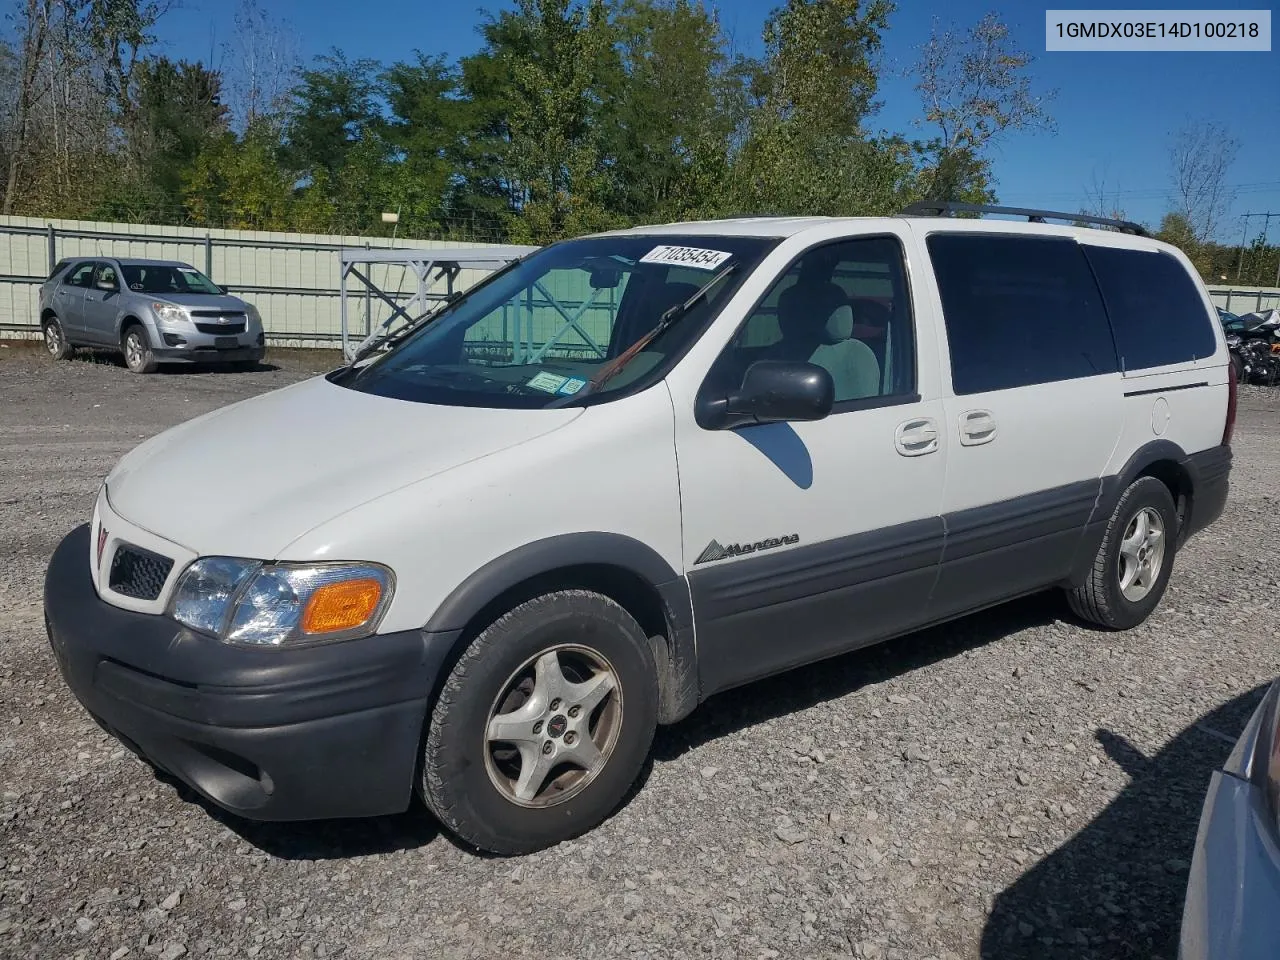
(975, 89)
(538, 138)
(176, 114)
(118, 32)
(334, 109)
(671, 110)
(427, 120)
(807, 149)
(241, 183)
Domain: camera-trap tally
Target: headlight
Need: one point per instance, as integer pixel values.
(252, 313)
(245, 601)
(169, 312)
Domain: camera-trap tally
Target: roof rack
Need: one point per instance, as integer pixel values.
(946, 208)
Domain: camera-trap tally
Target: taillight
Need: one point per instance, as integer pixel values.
(1232, 391)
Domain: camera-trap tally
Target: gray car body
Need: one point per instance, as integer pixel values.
(94, 317)
(1232, 908)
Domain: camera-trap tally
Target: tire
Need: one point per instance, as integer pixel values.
(1237, 365)
(474, 782)
(1103, 599)
(137, 351)
(55, 339)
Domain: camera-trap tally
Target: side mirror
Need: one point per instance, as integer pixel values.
(772, 391)
(106, 285)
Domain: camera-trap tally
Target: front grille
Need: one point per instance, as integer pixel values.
(138, 573)
(237, 314)
(216, 328)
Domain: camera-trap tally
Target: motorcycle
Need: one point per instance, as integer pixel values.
(1253, 341)
(1256, 359)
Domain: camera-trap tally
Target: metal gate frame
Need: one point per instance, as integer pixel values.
(429, 267)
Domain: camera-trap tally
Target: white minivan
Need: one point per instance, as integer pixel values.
(625, 473)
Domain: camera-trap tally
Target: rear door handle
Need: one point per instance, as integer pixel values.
(915, 438)
(976, 427)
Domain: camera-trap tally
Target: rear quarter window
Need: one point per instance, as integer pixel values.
(1155, 307)
(1018, 311)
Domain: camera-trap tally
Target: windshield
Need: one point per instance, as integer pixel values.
(165, 278)
(537, 334)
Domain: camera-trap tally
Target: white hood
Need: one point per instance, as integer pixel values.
(250, 478)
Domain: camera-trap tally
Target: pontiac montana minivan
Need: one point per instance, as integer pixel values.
(625, 473)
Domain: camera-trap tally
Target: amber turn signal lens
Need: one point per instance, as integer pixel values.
(341, 606)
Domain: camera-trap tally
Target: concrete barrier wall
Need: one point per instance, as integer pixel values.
(1242, 300)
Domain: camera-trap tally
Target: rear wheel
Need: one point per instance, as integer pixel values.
(55, 339)
(542, 725)
(1134, 561)
(137, 351)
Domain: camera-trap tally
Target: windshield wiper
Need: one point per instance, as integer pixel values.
(670, 316)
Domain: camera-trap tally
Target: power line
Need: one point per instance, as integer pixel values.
(1260, 186)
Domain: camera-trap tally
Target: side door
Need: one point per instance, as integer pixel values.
(101, 304)
(803, 540)
(68, 299)
(1032, 407)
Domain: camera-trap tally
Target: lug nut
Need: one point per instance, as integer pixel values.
(537, 728)
(570, 738)
(555, 704)
(574, 711)
(548, 747)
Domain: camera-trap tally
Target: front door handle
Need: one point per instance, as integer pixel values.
(914, 438)
(976, 427)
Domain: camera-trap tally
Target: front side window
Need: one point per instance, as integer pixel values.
(1019, 310)
(1156, 309)
(167, 278)
(565, 323)
(81, 276)
(843, 306)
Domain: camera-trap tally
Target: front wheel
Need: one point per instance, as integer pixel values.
(1134, 561)
(543, 724)
(137, 352)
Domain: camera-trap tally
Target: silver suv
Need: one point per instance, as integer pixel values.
(150, 310)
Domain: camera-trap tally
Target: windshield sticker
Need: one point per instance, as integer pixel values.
(571, 386)
(550, 382)
(686, 257)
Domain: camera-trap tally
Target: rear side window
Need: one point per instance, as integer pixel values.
(1156, 309)
(1019, 311)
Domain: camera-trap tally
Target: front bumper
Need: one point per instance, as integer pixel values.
(1232, 908)
(301, 733)
(185, 342)
(192, 354)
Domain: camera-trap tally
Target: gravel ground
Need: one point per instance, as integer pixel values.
(1010, 785)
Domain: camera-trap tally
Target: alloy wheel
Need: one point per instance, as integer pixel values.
(553, 726)
(1141, 554)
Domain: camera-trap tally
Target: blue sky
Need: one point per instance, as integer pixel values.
(1114, 111)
